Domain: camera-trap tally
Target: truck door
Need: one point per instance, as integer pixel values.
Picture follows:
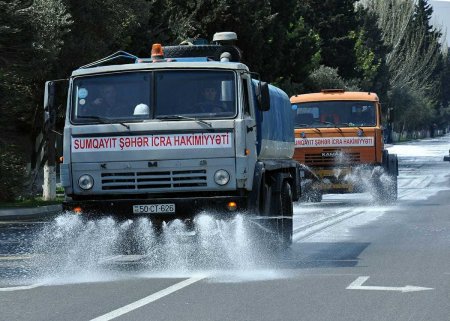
(249, 129)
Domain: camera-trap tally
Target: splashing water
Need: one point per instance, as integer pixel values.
(71, 246)
(374, 180)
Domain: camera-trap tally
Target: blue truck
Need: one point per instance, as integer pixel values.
(172, 135)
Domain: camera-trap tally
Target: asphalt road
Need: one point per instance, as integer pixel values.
(352, 259)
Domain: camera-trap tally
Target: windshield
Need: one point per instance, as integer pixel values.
(195, 93)
(160, 94)
(117, 96)
(335, 113)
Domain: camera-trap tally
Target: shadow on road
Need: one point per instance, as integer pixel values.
(322, 255)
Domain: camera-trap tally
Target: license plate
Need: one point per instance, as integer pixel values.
(153, 208)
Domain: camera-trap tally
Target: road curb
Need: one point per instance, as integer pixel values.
(29, 213)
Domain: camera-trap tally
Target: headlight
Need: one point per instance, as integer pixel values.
(221, 177)
(86, 182)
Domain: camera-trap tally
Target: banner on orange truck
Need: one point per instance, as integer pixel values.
(334, 142)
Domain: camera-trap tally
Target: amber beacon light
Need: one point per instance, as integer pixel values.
(157, 52)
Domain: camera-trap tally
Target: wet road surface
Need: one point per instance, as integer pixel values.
(351, 259)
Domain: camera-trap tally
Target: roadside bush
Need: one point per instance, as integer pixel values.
(328, 78)
(412, 109)
(12, 173)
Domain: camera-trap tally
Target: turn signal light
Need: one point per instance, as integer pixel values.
(232, 206)
(61, 159)
(247, 152)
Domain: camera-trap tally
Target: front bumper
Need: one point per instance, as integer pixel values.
(346, 179)
(186, 207)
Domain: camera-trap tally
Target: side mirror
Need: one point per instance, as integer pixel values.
(263, 96)
(49, 106)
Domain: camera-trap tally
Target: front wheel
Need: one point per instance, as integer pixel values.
(282, 212)
(386, 182)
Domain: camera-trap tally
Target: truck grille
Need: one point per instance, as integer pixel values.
(331, 157)
(147, 180)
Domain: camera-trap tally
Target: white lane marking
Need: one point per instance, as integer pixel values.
(16, 257)
(358, 285)
(109, 259)
(149, 299)
(22, 287)
(319, 226)
(328, 218)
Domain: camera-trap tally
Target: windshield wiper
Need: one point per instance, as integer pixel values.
(104, 120)
(179, 117)
(338, 128)
(308, 126)
(353, 125)
(325, 122)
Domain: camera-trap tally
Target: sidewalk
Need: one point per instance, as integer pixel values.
(12, 214)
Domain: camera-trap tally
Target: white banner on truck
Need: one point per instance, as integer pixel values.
(334, 142)
(151, 142)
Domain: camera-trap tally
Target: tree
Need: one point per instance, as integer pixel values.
(298, 44)
(415, 59)
(99, 29)
(15, 41)
(334, 21)
(270, 33)
(371, 52)
(252, 20)
(415, 52)
(31, 37)
(327, 78)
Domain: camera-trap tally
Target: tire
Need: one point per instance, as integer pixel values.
(282, 209)
(288, 211)
(386, 191)
(393, 177)
(210, 51)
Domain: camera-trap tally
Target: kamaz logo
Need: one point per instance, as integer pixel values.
(331, 154)
(152, 164)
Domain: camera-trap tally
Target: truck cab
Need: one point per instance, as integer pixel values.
(339, 135)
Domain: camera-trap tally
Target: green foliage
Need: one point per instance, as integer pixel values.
(334, 22)
(366, 63)
(327, 78)
(413, 110)
(371, 52)
(29, 202)
(100, 28)
(252, 20)
(415, 60)
(15, 40)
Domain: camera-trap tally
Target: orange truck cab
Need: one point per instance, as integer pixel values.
(338, 135)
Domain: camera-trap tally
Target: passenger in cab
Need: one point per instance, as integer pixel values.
(210, 102)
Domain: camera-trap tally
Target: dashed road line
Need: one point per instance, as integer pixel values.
(149, 299)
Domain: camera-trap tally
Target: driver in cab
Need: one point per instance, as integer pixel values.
(363, 115)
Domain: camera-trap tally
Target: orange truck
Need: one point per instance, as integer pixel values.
(339, 136)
